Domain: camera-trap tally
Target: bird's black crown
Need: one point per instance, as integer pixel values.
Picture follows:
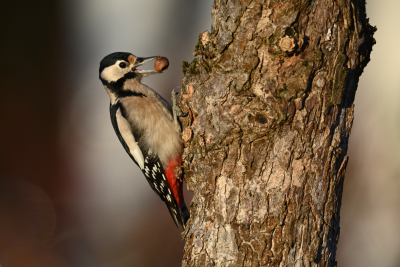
(112, 58)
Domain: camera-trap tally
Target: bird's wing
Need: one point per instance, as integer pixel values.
(149, 163)
(125, 135)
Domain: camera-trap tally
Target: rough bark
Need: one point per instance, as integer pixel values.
(270, 102)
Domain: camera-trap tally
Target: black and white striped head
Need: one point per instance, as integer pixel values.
(120, 65)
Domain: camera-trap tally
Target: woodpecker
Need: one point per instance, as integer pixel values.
(145, 126)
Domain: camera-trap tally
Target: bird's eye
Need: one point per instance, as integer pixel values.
(122, 65)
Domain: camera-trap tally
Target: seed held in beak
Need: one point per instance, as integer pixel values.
(161, 64)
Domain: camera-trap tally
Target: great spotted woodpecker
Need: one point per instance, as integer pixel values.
(144, 124)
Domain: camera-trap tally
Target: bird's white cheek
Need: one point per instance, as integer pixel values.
(112, 74)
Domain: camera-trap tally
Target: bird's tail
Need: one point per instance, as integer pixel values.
(181, 215)
(185, 214)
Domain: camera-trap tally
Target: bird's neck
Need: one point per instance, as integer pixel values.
(132, 84)
(130, 88)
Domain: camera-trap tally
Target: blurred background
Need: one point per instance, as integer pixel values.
(69, 194)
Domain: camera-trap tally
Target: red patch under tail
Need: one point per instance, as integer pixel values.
(174, 183)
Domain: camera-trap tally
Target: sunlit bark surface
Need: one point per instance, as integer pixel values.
(270, 103)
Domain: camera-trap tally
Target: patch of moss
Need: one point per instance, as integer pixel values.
(193, 67)
(190, 67)
(185, 66)
(199, 46)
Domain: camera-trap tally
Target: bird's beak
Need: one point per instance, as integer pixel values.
(141, 60)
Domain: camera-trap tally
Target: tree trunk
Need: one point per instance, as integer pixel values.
(270, 102)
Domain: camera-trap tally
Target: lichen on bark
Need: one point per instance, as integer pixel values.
(269, 116)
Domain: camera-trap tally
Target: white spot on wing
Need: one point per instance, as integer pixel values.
(169, 198)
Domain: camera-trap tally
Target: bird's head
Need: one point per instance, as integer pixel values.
(123, 65)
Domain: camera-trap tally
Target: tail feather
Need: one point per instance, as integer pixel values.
(180, 217)
(174, 216)
(185, 214)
